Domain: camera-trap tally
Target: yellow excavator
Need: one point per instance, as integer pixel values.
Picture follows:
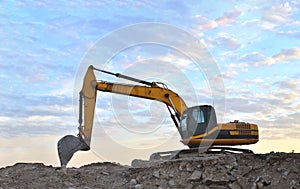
(197, 125)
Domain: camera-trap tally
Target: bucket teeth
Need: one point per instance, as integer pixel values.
(67, 146)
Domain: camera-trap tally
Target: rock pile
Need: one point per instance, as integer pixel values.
(253, 171)
(223, 171)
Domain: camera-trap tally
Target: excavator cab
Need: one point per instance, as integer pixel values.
(197, 120)
(199, 127)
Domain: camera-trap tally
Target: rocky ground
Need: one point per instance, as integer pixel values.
(253, 171)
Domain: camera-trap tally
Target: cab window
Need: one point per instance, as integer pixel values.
(198, 116)
(183, 123)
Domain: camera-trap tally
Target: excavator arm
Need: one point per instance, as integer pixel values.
(69, 144)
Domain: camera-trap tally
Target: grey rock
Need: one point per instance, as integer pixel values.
(245, 170)
(68, 184)
(104, 173)
(234, 185)
(293, 184)
(196, 176)
(210, 162)
(235, 165)
(139, 186)
(259, 185)
(139, 163)
(172, 183)
(156, 173)
(132, 182)
(260, 182)
(285, 173)
(229, 167)
(189, 168)
(219, 179)
(216, 186)
(181, 166)
(232, 178)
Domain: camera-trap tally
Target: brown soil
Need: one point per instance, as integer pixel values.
(253, 171)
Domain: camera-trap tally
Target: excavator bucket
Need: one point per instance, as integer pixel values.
(67, 146)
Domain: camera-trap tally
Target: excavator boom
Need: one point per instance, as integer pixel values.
(152, 93)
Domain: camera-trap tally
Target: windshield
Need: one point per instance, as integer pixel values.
(198, 116)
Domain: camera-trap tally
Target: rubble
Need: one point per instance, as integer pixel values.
(234, 171)
(196, 176)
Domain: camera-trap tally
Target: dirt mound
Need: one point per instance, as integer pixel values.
(274, 170)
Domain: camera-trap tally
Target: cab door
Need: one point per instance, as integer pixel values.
(196, 122)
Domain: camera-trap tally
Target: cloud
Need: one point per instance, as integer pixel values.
(228, 43)
(234, 69)
(178, 6)
(36, 115)
(286, 96)
(288, 54)
(180, 62)
(278, 14)
(229, 73)
(209, 25)
(15, 104)
(291, 84)
(243, 105)
(272, 105)
(227, 19)
(37, 126)
(290, 33)
(278, 17)
(259, 59)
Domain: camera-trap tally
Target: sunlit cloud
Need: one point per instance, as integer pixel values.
(227, 19)
(278, 14)
(259, 59)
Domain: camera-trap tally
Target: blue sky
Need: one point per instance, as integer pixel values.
(254, 43)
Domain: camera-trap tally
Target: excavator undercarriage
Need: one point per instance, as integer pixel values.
(194, 152)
